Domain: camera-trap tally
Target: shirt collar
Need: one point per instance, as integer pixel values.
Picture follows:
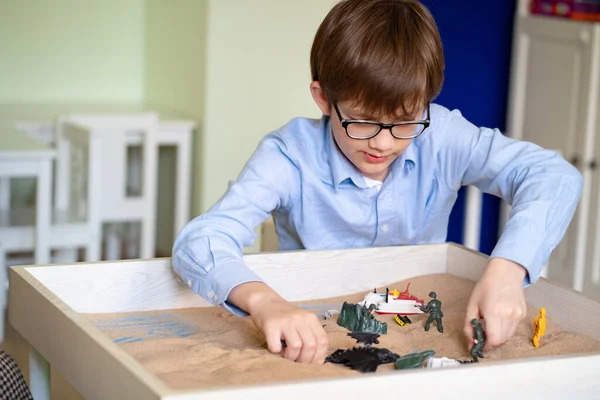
(408, 159)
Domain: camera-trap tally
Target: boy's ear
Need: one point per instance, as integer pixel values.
(319, 97)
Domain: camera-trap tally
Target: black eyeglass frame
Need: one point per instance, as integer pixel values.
(346, 122)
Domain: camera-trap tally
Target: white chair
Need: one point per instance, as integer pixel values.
(125, 194)
(18, 164)
(172, 133)
(38, 164)
(80, 223)
(179, 135)
(63, 230)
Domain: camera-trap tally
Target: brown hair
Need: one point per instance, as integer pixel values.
(382, 55)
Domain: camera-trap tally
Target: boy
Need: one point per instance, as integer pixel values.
(381, 167)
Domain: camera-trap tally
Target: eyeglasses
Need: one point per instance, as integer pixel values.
(363, 130)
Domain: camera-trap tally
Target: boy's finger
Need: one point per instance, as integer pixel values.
(494, 332)
(507, 327)
(309, 344)
(274, 342)
(322, 344)
(293, 344)
(512, 330)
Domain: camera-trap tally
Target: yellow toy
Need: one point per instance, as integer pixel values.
(539, 325)
(402, 319)
(399, 321)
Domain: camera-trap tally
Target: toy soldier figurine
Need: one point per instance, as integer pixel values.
(478, 340)
(434, 308)
(539, 325)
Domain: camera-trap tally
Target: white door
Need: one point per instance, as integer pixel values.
(549, 106)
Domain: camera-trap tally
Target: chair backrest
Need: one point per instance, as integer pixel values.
(78, 172)
(129, 144)
(126, 153)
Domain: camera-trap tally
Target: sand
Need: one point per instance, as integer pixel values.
(198, 348)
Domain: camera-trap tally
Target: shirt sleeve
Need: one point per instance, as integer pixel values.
(207, 253)
(542, 188)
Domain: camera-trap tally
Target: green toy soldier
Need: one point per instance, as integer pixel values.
(478, 340)
(434, 308)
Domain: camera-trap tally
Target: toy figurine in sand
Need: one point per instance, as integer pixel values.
(362, 359)
(478, 340)
(402, 319)
(358, 318)
(367, 338)
(539, 325)
(442, 362)
(401, 303)
(434, 308)
(414, 360)
(367, 359)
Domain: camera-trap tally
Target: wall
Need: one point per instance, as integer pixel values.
(201, 59)
(257, 78)
(67, 51)
(71, 50)
(208, 60)
(477, 39)
(175, 33)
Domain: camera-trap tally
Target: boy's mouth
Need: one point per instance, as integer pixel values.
(373, 158)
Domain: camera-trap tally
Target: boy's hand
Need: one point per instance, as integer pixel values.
(305, 339)
(498, 298)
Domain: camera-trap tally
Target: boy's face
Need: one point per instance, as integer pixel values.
(372, 156)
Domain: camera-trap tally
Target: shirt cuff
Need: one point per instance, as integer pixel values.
(523, 243)
(218, 282)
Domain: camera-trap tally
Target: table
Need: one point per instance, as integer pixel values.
(47, 303)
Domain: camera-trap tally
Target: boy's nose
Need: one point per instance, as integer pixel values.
(383, 142)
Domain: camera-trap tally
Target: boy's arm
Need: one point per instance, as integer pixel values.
(541, 186)
(207, 253)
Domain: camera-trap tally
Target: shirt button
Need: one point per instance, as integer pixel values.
(385, 228)
(189, 282)
(210, 294)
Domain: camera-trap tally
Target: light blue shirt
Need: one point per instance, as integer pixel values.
(319, 200)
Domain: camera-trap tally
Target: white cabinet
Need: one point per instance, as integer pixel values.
(553, 102)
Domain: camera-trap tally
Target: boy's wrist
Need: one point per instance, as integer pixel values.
(257, 300)
(506, 269)
(251, 296)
